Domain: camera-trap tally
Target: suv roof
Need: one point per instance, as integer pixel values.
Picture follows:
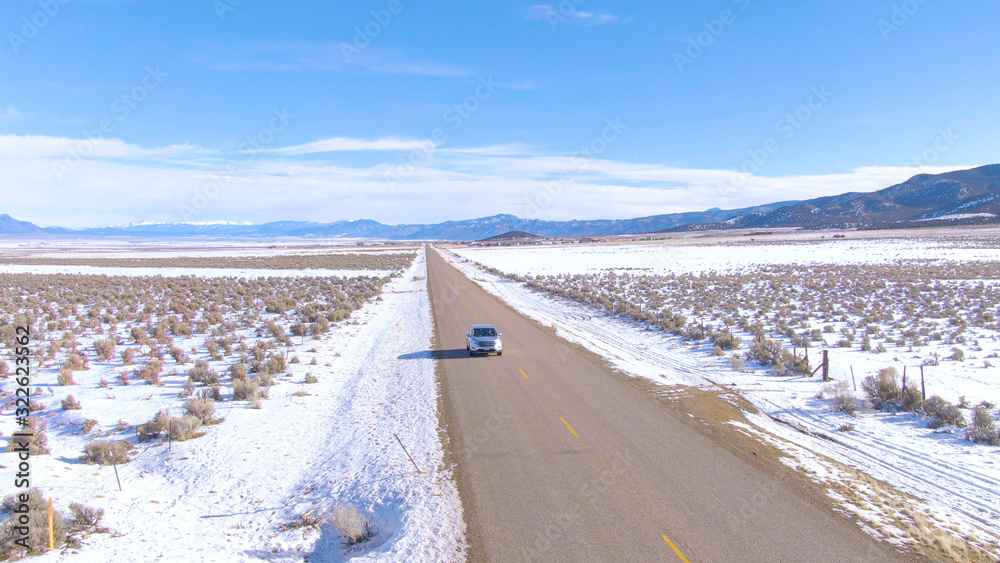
(483, 326)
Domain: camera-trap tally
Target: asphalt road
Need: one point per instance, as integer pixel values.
(560, 459)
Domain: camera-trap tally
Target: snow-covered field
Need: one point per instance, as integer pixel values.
(958, 480)
(693, 256)
(177, 272)
(231, 494)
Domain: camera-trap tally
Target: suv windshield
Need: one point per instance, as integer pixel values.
(481, 332)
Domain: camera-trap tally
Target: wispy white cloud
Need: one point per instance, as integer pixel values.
(10, 114)
(121, 182)
(567, 13)
(319, 57)
(346, 144)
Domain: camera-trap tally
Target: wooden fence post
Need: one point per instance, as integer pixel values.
(923, 390)
(826, 365)
(116, 475)
(855, 381)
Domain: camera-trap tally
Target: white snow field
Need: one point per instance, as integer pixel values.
(957, 481)
(227, 495)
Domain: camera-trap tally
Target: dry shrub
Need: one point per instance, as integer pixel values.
(76, 362)
(105, 349)
(179, 355)
(911, 399)
(156, 426)
(108, 452)
(942, 413)
(737, 363)
(36, 441)
(841, 397)
(151, 372)
(246, 390)
(203, 409)
(883, 389)
(237, 371)
(265, 379)
(274, 364)
(37, 523)
(353, 527)
(185, 428)
(4, 369)
(66, 377)
(983, 429)
(726, 340)
(202, 373)
(85, 519)
(71, 404)
(214, 393)
(128, 356)
(310, 378)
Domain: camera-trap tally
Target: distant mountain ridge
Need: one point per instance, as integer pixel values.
(471, 229)
(963, 195)
(971, 195)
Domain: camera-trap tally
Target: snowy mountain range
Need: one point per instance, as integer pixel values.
(966, 196)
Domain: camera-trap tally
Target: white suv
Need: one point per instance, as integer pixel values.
(483, 339)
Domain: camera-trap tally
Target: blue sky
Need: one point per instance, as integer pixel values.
(409, 112)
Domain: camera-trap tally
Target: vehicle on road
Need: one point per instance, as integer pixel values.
(483, 339)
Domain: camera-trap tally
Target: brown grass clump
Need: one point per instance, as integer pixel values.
(353, 527)
(185, 428)
(942, 413)
(154, 428)
(246, 390)
(128, 356)
(71, 404)
(108, 452)
(983, 429)
(105, 349)
(841, 397)
(151, 372)
(202, 409)
(76, 362)
(202, 373)
(65, 377)
(882, 388)
(37, 442)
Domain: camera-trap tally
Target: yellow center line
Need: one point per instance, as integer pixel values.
(674, 547)
(568, 426)
(522, 373)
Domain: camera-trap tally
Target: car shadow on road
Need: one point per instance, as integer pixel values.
(455, 354)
